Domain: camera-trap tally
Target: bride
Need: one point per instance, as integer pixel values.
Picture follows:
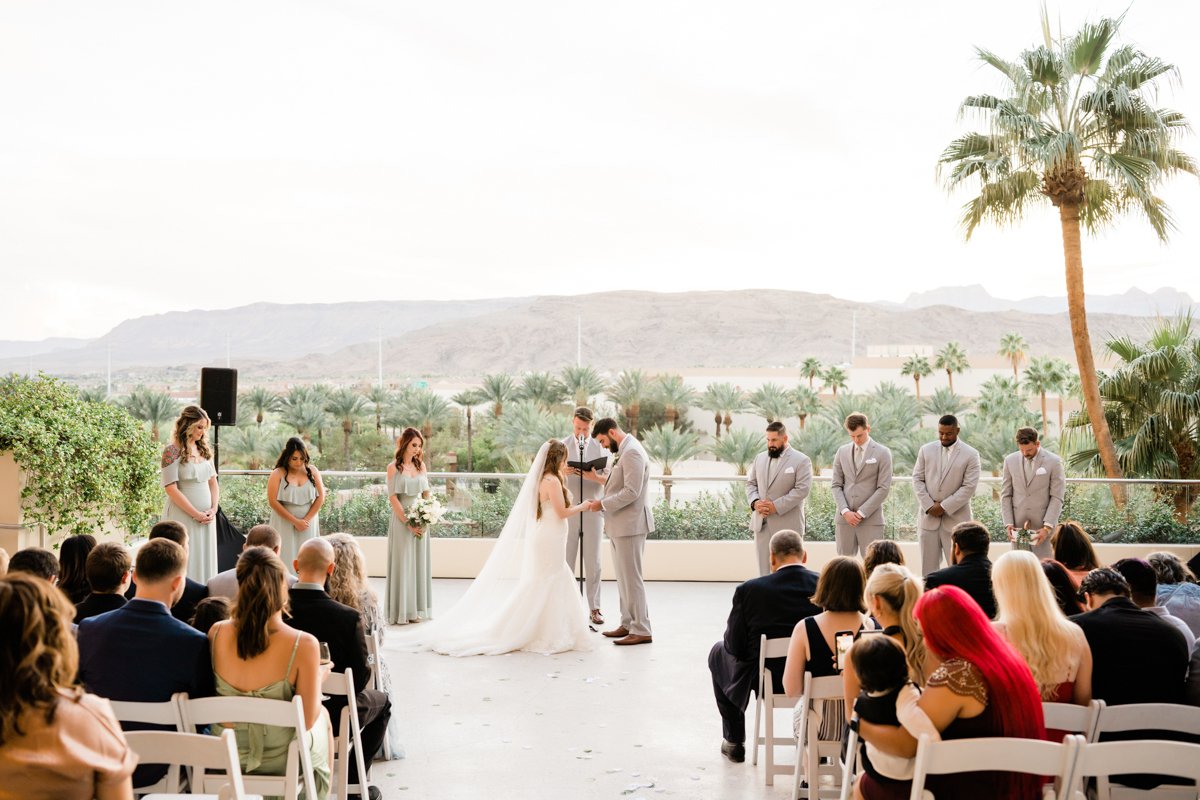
(524, 597)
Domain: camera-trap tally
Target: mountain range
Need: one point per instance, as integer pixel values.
(1134, 302)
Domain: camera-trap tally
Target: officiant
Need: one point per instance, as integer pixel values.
(592, 522)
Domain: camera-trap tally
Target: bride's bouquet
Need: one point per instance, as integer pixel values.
(425, 511)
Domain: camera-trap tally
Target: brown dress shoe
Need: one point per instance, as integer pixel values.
(596, 618)
(633, 638)
(617, 632)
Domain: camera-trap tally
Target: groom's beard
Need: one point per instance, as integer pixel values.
(613, 446)
(774, 452)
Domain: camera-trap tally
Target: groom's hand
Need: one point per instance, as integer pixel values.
(595, 505)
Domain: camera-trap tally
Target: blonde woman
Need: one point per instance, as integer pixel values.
(190, 482)
(892, 592)
(1028, 616)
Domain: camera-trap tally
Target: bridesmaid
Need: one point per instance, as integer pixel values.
(295, 493)
(409, 576)
(190, 481)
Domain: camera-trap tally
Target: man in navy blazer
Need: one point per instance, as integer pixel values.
(139, 652)
(770, 605)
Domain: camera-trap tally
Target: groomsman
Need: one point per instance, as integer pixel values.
(1031, 495)
(944, 478)
(777, 485)
(862, 478)
(592, 522)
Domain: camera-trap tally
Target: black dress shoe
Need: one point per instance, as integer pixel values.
(734, 752)
(372, 792)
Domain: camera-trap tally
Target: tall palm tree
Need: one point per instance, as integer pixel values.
(152, 406)
(811, 368)
(427, 408)
(380, 397)
(252, 444)
(953, 360)
(465, 401)
(739, 448)
(260, 400)
(916, 367)
(772, 402)
(497, 389)
(835, 378)
(1065, 378)
(307, 416)
(944, 401)
(806, 401)
(583, 383)
(668, 447)
(723, 400)
(346, 406)
(1013, 347)
(1075, 105)
(543, 388)
(1042, 376)
(630, 389)
(675, 396)
(820, 442)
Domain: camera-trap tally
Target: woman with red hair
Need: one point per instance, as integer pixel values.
(982, 688)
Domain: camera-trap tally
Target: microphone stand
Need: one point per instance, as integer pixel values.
(581, 499)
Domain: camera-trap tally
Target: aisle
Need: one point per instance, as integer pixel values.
(575, 725)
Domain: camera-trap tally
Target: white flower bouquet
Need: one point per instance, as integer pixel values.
(423, 512)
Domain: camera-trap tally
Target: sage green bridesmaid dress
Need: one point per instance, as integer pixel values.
(410, 573)
(297, 500)
(192, 479)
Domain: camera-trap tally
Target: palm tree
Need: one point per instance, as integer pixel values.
(772, 402)
(582, 383)
(380, 397)
(835, 378)
(1073, 105)
(252, 444)
(527, 426)
(675, 396)
(427, 408)
(723, 400)
(497, 389)
(916, 367)
(811, 368)
(1042, 376)
(543, 388)
(820, 442)
(96, 394)
(806, 402)
(465, 401)
(307, 416)
(953, 359)
(944, 401)
(630, 389)
(1013, 347)
(260, 400)
(1065, 378)
(739, 448)
(668, 447)
(346, 406)
(152, 406)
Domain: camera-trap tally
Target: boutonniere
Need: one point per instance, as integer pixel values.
(616, 458)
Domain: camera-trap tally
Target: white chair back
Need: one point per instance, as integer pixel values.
(193, 750)
(812, 748)
(216, 710)
(1072, 718)
(349, 742)
(767, 700)
(374, 644)
(1155, 756)
(1000, 753)
(1141, 717)
(166, 713)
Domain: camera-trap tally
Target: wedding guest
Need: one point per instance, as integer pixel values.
(970, 569)
(1143, 586)
(209, 612)
(882, 551)
(342, 629)
(410, 570)
(224, 584)
(295, 493)
(772, 605)
(945, 477)
(1066, 593)
(193, 591)
(109, 573)
(1029, 618)
(983, 688)
(1177, 589)
(56, 741)
(862, 479)
(193, 494)
(139, 652)
(777, 484)
(256, 654)
(1032, 491)
(1073, 549)
(72, 565)
(892, 593)
(350, 586)
(35, 561)
(585, 487)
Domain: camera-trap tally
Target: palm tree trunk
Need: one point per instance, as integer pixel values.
(717, 419)
(728, 422)
(1014, 358)
(921, 419)
(802, 417)
(1060, 412)
(470, 454)
(1045, 430)
(995, 491)
(950, 376)
(346, 443)
(667, 486)
(1073, 257)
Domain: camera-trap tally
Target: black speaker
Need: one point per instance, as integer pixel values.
(218, 394)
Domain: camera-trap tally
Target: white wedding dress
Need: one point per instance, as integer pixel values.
(524, 597)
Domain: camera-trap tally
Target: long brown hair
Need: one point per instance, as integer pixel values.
(284, 462)
(40, 656)
(349, 579)
(261, 594)
(188, 418)
(556, 458)
(1073, 547)
(405, 438)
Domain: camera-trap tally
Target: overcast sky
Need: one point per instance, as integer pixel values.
(170, 156)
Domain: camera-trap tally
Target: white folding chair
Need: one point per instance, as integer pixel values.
(350, 740)
(1142, 717)
(999, 753)
(166, 713)
(373, 646)
(193, 750)
(816, 690)
(766, 698)
(1072, 718)
(1156, 756)
(216, 710)
(850, 763)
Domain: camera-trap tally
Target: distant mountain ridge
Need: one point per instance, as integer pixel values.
(1135, 302)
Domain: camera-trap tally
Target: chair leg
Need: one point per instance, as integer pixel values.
(769, 720)
(758, 704)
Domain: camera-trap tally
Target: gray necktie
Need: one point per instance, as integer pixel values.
(945, 458)
(1028, 470)
(771, 465)
(858, 457)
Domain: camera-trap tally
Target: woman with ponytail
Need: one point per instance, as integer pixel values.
(409, 595)
(256, 654)
(295, 493)
(892, 593)
(982, 688)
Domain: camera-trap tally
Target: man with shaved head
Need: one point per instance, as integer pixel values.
(341, 627)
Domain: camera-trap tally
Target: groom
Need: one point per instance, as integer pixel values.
(627, 521)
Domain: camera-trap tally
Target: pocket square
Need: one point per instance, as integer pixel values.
(871, 461)
(789, 469)
(1040, 471)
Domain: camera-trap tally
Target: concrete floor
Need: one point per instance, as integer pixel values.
(503, 727)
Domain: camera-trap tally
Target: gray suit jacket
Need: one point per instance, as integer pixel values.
(1040, 501)
(224, 584)
(953, 488)
(863, 491)
(626, 508)
(788, 490)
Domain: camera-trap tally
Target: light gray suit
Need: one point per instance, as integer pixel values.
(788, 488)
(593, 523)
(953, 487)
(224, 584)
(628, 519)
(1039, 501)
(862, 490)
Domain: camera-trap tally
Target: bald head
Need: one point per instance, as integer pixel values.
(314, 562)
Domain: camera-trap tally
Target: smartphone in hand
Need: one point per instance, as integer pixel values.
(843, 640)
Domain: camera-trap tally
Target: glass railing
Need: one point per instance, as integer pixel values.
(715, 507)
